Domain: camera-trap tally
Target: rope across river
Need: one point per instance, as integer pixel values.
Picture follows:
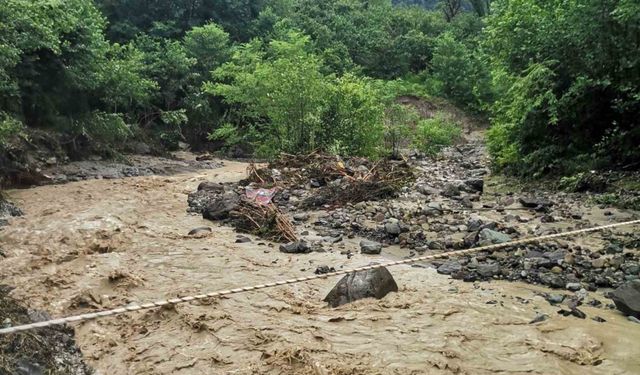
(220, 293)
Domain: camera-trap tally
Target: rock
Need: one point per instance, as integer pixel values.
(531, 202)
(466, 202)
(627, 298)
(324, 270)
(613, 249)
(555, 299)
(574, 287)
(633, 319)
(140, 148)
(375, 283)
(370, 247)
(301, 217)
(449, 267)
(427, 190)
(488, 236)
(213, 187)
(574, 311)
(332, 240)
(243, 239)
(220, 208)
(598, 263)
(451, 190)
(539, 318)
(393, 228)
(598, 319)
(488, 270)
(432, 209)
(298, 247)
(475, 184)
(552, 280)
(199, 230)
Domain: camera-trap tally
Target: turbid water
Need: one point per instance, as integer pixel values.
(104, 243)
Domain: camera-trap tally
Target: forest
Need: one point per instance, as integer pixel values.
(557, 81)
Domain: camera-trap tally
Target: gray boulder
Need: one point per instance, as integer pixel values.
(370, 247)
(220, 208)
(488, 270)
(393, 228)
(449, 267)
(299, 247)
(375, 283)
(627, 298)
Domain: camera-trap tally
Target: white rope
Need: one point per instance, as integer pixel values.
(174, 301)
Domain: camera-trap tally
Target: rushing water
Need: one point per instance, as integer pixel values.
(104, 243)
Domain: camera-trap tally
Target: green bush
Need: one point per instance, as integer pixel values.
(9, 126)
(432, 135)
(282, 102)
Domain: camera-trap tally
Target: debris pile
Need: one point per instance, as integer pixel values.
(334, 181)
(263, 220)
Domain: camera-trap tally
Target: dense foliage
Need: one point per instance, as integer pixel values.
(559, 79)
(568, 79)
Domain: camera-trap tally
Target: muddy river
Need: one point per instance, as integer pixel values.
(104, 243)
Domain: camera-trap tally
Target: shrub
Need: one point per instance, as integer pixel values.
(9, 126)
(432, 135)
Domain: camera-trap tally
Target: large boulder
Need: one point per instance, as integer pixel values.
(374, 283)
(220, 208)
(627, 298)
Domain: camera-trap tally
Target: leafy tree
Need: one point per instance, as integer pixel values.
(286, 88)
(569, 79)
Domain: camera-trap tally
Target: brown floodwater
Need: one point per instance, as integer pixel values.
(104, 243)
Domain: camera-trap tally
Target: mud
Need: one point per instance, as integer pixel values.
(103, 243)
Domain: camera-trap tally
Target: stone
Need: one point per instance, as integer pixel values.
(393, 228)
(199, 230)
(539, 318)
(555, 299)
(627, 298)
(243, 239)
(475, 184)
(488, 270)
(449, 267)
(220, 208)
(552, 280)
(298, 247)
(427, 190)
(301, 217)
(370, 247)
(557, 270)
(574, 287)
(374, 283)
(598, 263)
(532, 202)
(488, 237)
(321, 270)
(451, 190)
(613, 249)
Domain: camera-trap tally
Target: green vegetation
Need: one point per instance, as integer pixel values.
(434, 134)
(559, 80)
